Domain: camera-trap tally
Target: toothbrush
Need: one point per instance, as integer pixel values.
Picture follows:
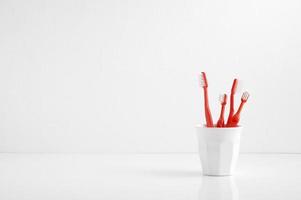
(236, 117)
(204, 85)
(233, 91)
(223, 100)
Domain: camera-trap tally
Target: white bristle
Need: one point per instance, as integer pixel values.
(201, 80)
(221, 98)
(245, 96)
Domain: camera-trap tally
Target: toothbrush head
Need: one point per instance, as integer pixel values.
(223, 99)
(245, 97)
(203, 80)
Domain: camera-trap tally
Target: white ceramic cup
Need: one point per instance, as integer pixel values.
(218, 149)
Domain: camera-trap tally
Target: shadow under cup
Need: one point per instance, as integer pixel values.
(218, 149)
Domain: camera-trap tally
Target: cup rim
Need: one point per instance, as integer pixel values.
(218, 128)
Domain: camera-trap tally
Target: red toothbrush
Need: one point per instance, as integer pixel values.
(233, 91)
(223, 100)
(235, 119)
(204, 85)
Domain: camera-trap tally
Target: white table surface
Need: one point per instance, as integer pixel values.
(145, 176)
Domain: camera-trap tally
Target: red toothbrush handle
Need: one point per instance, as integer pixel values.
(208, 118)
(231, 112)
(207, 110)
(235, 119)
(220, 122)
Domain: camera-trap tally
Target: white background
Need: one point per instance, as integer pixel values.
(121, 76)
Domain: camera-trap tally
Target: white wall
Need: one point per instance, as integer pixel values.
(121, 76)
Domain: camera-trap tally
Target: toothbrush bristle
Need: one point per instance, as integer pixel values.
(223, 98)
(245, 96)
(203, 80)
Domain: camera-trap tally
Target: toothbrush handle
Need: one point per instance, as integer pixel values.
(233, 91)
(231, 112)
(240, 108)
(236, 117)
(220, 122)
(208, 116)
